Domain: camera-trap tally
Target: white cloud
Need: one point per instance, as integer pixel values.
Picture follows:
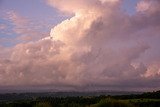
(100, 46)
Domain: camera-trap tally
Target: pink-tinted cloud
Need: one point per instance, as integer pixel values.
(149, 6)
(100, 47)
(3, 26)
(25, 28)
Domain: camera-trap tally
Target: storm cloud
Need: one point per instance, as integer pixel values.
(100, 47)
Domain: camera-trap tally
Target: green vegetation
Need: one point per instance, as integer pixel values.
(42, 104)
(112, 103)
(142, 100)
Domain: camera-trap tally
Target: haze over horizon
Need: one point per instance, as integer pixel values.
(80, 45)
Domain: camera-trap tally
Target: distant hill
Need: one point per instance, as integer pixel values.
(115, 94)
(151, 95)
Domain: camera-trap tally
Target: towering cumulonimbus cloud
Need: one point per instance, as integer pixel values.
(100, 47)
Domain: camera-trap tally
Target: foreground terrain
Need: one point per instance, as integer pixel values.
(79, 100)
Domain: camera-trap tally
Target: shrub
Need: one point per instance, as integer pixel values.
(112, 103)
(42, 104)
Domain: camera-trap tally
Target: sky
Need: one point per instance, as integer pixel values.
(81, 45)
